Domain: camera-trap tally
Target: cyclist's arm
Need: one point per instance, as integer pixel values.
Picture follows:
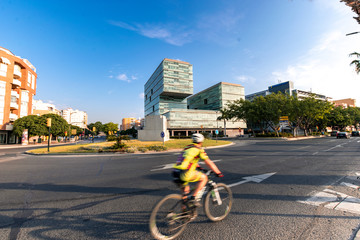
(212, 165)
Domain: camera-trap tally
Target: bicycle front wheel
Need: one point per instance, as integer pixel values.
(167, 220)
(218, 202)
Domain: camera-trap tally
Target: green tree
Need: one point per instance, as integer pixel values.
(33, 123)
(340, 118)
(355, 62)
(131, 131)
(110, 127)
(99, 127)
(239, 110)
(270, 109)
(313, 111)
(58, 124)
(354, 114)
(77, 128)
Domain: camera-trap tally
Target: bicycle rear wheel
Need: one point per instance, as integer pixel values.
(217, 209)
(167, 220)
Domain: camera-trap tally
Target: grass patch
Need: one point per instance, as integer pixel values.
(134, 146)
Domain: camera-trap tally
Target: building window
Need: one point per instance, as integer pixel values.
(3, 69)
(29, 79)
(153, 108)
(188, 107)
(32, 81)
(145, 97)
(152, 91)
(150, 98)
(205, 101)
(24, 103)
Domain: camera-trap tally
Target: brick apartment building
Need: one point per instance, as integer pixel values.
(347, 102)
(17, 88)
(128, 123)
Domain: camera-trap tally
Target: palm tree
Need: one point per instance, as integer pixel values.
(356, 62)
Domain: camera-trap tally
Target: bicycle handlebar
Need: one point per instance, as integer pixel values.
(207, 172)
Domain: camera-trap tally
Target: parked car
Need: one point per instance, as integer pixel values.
(334, 133)
(355, 133)
(343, 135)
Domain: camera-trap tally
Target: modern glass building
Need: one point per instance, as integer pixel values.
(216, 97)
(168, 93)
(286, 88)
(168, 87)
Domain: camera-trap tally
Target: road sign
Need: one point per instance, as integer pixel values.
(162, 134)
(216, 132)
(284, 118)
(284, 124)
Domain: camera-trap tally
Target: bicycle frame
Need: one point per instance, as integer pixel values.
(212, 187)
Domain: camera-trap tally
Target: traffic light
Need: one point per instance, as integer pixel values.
(48, 122)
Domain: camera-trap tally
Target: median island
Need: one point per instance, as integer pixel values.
(125, 146)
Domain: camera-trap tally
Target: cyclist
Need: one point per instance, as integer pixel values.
(185, 168)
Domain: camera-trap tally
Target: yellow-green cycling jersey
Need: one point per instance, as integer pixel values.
(190, 157)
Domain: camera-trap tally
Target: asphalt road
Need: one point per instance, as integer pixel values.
(311, 192)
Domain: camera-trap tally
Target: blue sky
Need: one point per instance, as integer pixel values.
(96, 56)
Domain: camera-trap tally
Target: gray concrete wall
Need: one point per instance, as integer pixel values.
(154, 125)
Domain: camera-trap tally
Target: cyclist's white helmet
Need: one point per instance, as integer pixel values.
(197, 138)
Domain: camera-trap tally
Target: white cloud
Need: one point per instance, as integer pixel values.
(123, 77)
(245, 79)
(170, 33)
(325, 68)
(220, 26)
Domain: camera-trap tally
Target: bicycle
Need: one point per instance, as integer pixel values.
(171, 214)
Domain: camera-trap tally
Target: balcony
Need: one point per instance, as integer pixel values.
(9, 127)
(16, 82)
(15, 94)
(13, 117)
(14, 105)
(17, 73)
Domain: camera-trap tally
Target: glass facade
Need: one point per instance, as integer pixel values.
(216, 97)
(285, 87)
(168, 87)
(198, 119)
(166, 94)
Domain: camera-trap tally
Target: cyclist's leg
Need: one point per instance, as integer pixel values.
(195, 176)
(202, 182)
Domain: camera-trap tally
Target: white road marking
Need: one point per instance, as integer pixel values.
(255, 178)
(334, 200)
(315, 153)
(350, 185)
(301, 147)
(333, 148)
(11, 159)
